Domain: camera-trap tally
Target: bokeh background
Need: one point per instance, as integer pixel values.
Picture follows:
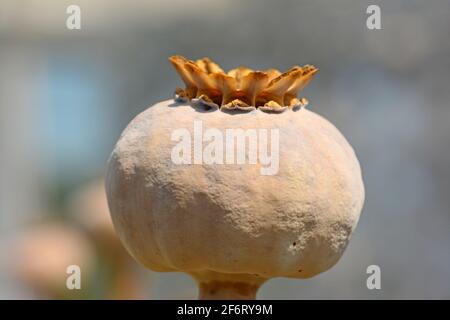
(66, 95)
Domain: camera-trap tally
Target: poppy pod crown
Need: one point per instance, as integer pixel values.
(241, 88)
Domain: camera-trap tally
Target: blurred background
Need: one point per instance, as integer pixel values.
(66, 95)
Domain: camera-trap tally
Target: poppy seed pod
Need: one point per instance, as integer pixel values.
(234, 181)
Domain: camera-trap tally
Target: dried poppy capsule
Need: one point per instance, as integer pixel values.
(234, 182)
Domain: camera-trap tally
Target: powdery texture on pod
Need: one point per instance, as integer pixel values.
(228, 225)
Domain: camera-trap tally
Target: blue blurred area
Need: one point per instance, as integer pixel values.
(72, 116)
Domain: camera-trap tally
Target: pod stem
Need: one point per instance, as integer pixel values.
(226, 290)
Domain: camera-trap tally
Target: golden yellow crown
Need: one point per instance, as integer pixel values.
(241, 88)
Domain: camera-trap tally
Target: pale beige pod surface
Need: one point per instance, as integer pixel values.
(229, 223)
